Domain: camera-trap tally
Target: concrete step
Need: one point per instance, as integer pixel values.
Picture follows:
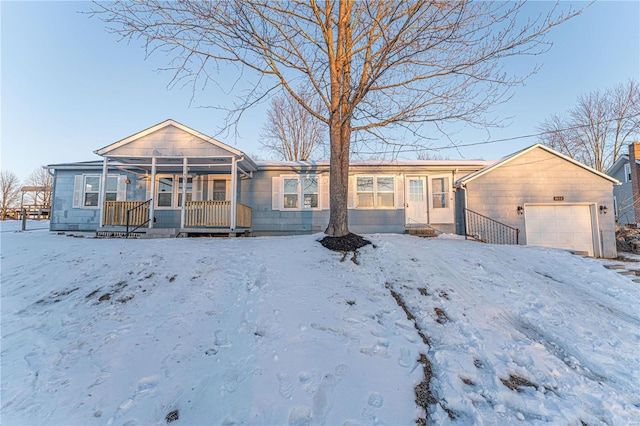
(615, 266)
(422, 232)
(161, 233)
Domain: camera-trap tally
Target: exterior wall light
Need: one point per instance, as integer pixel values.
(603, 209)
(127, 181)
(520, 210)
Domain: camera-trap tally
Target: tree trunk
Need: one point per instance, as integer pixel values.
(340, 136)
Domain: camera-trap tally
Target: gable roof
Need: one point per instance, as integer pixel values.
(468, 178)
(187, 145)
(622, 159)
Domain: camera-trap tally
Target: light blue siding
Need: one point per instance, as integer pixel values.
(64, 217)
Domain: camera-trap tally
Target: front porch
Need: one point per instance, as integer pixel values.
(125, 218)
(176, 178)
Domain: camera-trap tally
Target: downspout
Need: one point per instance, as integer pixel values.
(463, 187)
(183, 208)
(234, 195)
(153, 192)
(103, 189)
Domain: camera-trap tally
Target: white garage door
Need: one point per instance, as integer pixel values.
(560, 226)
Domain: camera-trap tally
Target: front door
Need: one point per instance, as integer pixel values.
(415, 200)
(440, 199)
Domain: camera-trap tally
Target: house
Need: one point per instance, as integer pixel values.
(170, 179)
(627, 194)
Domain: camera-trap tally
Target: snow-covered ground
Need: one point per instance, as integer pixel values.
(279, 331)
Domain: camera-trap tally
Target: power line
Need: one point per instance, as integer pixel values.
(533, 135)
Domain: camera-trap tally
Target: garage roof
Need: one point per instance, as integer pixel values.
(468, 178)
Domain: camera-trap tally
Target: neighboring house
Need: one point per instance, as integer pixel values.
(171, 179)
(627, 198)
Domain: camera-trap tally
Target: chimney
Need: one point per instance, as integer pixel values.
(635, 178)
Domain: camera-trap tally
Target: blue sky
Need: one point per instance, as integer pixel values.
(68, 87)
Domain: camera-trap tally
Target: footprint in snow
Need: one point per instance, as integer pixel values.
(285, 386)
(300, 416)
(323, 398)
(374, 402)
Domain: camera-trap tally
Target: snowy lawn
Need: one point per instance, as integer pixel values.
(279, 331)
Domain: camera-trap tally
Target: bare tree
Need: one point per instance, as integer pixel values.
(9, 191)
(596, 130)
(290, 131)
(375, 65)
(41, 178)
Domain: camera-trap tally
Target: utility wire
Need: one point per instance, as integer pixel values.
(579, 126)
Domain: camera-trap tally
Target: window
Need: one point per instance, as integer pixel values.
(92, 190)
(219, 190)
(294, 192)
(87, 190)
(290, 193)
(165, 191)
(310, 192)
(375, 192)
(627, 172)
(440, 192)
(169, 191)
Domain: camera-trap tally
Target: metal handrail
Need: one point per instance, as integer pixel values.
(487, 230)
(129, 214)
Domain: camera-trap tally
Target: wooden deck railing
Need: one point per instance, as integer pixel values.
(115, 213)
(216, 213)
(198, 213)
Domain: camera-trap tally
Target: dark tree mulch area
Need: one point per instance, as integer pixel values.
(350, 242)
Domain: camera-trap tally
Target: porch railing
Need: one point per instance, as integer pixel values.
(136, 217)
(216, 214)
(116, 213)
(487, 230)
(198, 214)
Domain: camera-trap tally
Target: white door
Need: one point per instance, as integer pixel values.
(440, 199)
(415, 200)
(566, 226)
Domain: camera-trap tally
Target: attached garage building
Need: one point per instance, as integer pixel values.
(543, 197)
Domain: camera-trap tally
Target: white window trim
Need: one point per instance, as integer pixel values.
(627, 172)
(375, 177)
(79, 193)
(278, 192)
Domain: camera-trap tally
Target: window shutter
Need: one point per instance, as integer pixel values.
(324, 192)
(147, 181)
(276, 195)
(400, 192)
(227, 194)
(197, 188)
(77, 192)
(351, 196)
(121, 195)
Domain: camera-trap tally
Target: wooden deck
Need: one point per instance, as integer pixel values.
(32, 212)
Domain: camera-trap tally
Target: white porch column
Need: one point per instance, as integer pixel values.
(183, 210)
(153, 192)
(234, 192)
(103, 189)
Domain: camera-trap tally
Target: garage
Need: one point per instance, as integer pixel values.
(565, 226)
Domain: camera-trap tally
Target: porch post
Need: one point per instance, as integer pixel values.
(103, 190)
(183, 209)
(234, 192)
(153, 192)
